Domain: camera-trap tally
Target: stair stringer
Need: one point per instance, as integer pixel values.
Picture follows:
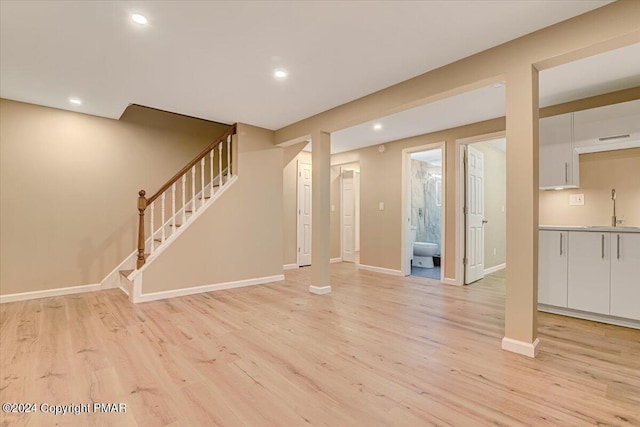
(132, 283)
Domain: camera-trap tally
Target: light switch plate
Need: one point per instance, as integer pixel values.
(333, 208)
(381, 206)
(576, 199)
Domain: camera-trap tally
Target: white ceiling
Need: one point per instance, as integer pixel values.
(215, 60)
(614, 70)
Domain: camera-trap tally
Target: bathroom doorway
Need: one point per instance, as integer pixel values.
(424, 211)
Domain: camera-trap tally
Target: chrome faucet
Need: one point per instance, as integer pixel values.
(614, 220)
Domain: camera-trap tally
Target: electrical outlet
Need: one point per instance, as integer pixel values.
(381, 206)
(495, 251)
(576, 199)
(333, 208)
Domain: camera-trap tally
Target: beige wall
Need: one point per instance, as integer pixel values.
(69, 186)
(599, 173)
(238, 238)
(495, 198)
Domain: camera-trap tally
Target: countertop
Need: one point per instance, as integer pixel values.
(596, 228)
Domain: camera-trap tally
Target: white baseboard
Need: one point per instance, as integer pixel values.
(207, 288)
(290, 266)
(23, 296)
(334, 260)
(495, 268)
(448, 281)
(602, 318)
(380, 270)
(320, 290)
(521, 347)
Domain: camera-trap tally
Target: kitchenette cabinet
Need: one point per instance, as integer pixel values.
(625, 275)
(591, 273)
(552, 275)
(558, 159)
(588, 272)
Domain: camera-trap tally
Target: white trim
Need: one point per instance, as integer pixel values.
(405, 264)
(334, 260)
(320, 290)
(206, 288)
(294, 141)
(449, 281)
(495, 268)
(381, 270)
(23, 296)
(602, 318)
(521, 347)
(290, 266)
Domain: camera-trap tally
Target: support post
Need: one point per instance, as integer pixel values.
(320, 208)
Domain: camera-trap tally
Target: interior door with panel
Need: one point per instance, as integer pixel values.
(625, 275)
(474, 268)
(552, 267)
(588, 273)
(304, 214)
(348, 217)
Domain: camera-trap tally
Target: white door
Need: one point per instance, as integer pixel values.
(348, 217)
(474, 216)
(304, 214)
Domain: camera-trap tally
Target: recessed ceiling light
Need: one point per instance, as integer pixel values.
(377, 126)
(75, 101)
(280, 74)
(139, 19)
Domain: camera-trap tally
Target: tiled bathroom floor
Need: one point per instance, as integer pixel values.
(429, 273)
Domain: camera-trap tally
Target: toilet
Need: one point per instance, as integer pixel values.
(423, 252)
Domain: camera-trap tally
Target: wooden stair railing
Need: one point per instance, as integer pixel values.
(224, 174)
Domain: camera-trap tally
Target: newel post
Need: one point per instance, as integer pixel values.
(142, 205)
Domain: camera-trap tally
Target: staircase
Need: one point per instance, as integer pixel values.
(174, 207)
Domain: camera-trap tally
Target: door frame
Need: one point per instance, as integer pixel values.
(461, 187)
(298, 175)
(405, 219)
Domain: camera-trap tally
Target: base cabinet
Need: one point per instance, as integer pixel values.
(588, 272)
(552, 273)
(625, 275)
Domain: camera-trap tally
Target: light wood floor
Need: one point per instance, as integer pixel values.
(380, 350)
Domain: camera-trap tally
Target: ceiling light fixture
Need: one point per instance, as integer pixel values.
(377, 126)
(75, 101)
(280, 74)
(139, 19)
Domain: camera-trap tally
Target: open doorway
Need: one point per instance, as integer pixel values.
(482, 206)
(424, 211)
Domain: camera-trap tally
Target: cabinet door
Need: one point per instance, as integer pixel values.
(556, 152)
(607, 122)
(588, 273)
(625, 275)
(552, 268)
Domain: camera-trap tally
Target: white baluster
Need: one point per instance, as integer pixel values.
(193, 188)
(152, 227)
(211, 169)
(184, 198)
(173, 207)
(220, 165)
(228, 157)
(162, 216)
(202, 165)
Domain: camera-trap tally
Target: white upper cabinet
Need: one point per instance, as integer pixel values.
(558, 159)
(612, 127)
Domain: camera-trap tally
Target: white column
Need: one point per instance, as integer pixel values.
(521, 334)
(320, 211)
